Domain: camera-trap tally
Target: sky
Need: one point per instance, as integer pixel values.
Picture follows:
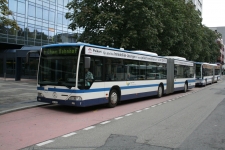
(213, 13)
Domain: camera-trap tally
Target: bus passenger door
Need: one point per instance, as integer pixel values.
(170, 76)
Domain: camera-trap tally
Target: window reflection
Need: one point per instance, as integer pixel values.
(59, 18)
(45, 12)
(44, 20)
(44, 34)
(51, 16)
(30, 30)
(31, 11)
(13, 5)
(39, 12)
(60, 2)
(21, 7)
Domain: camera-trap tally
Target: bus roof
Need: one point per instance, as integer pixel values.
(145, 52)
(176, 57)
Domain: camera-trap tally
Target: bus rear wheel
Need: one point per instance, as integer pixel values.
(113, 98)
(160, 91)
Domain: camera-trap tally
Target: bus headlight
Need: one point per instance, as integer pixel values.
(75, 98)
(40, 95)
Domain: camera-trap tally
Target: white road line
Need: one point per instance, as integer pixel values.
(139, 111)
(169, 100)
(159, 104)
(128, 114)
(105, 122)
(70, 134)
(154, 106)
(164, 102)
(146, 108)
(88, 128)
(118, 118)
(46, 142)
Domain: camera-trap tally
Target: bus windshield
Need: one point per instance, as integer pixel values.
(58, 66)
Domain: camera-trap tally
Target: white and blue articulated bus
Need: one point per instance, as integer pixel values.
(117, 75)
(207, 73)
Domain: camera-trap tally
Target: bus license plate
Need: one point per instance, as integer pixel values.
(54, 102)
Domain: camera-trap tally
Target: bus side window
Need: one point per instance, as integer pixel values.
(98, 69)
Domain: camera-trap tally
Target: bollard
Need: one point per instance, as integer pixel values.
(5, 76)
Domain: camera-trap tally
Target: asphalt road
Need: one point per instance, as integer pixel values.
(190, 121)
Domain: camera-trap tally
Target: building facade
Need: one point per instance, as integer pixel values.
(221, 30)
(198, 5)
(41, 22)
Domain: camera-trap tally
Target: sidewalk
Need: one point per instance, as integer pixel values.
(17, 95)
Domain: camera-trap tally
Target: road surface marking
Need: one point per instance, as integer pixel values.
(70, 134)
(105, 122)
(128, 114)
(46, 142)
(118, 118)
(88, 128)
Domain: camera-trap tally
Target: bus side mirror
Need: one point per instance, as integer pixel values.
(87, 62)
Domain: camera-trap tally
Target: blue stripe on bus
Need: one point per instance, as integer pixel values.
(94, 90)
(103, 89)
(95, 101)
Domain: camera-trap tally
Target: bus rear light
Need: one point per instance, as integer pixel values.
(75, 98)
(40, 95)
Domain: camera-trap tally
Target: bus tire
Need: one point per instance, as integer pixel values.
(160, 91)
(113, 98)
(185, 87)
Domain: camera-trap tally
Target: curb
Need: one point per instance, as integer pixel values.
(21, 108)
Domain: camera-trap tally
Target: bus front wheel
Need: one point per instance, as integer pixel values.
(113, 98)
(160, 91)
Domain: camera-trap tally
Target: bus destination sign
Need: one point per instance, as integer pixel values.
(57, 51)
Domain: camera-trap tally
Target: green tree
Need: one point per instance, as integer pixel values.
(167, 27)
(118, 23)
(4, 12)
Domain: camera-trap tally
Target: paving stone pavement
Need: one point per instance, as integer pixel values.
(17, 95)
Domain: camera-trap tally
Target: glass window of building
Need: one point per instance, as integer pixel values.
(13, 5)
(21, 7)
(65, 22)
(51, 16)
(45, 14)
(65, 2)
(44, 34)
(39, 2)
(38, 33)
(60, 2)
(31, 10)
(39, 12)
(59, 18)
